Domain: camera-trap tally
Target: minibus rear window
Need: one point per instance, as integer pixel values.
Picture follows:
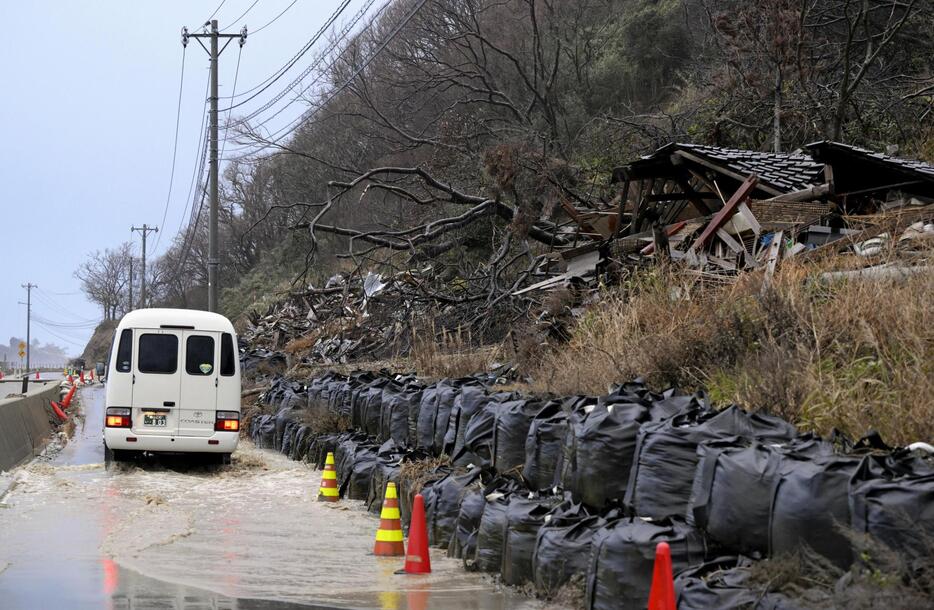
(125, 351)
(158, 353)
(199, 355)
(227, 355)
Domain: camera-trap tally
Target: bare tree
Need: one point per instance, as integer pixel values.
(105, 279)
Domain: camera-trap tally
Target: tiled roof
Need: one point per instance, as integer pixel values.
(910, 165)
(784, 171)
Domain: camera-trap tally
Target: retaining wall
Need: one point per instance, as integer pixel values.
(25, 422)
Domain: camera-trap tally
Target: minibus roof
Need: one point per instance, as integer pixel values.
(176, 318)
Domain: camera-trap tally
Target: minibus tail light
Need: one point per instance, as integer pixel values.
(227, 421)
(118, 417)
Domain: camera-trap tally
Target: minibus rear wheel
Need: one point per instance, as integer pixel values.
(116, 455)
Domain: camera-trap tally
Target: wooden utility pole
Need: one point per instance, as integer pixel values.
(145, 230)
(214, 53)
(28, 287)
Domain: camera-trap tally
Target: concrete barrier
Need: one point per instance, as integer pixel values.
(25, 421)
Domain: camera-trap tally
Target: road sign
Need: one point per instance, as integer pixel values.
(22, 354)
(22, 345)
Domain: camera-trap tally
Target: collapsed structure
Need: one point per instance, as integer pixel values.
(723, 210)
(715, 211)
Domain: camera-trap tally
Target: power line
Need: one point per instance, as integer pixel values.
(232, 23)
(301, 52)
(76, 342)
(215, 11)
(334, 44)
(199, 167)
(277, 136)
(274, 19)
(178, 117)
(66, 326)
(50, 302)
(295, 59)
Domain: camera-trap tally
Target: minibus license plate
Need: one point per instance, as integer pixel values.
(154, 419)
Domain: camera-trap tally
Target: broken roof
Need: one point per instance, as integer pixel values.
(857, 169)
(780, 172)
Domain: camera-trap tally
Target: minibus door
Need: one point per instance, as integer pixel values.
(156, 383)
(198, 400)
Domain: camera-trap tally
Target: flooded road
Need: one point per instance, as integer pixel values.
(172, 535)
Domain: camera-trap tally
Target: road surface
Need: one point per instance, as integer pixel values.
(172, 535)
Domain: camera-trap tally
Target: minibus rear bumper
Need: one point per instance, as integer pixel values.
(219, 442)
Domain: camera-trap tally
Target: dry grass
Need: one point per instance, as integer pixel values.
(854, 355)
(881, 577)
(448, 354)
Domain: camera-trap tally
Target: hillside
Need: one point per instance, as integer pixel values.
(99, 345)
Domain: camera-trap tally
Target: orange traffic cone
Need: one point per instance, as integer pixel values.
(58, 410)
(82, 376)
(389, 541)
(417, 559)
(328, 491)
(71, 393)
(662, 593)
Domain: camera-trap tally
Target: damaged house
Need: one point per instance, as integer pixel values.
(721, 210)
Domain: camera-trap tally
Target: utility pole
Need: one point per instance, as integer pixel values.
(28, 286)
(214, 53)
(131, 286)
(145, 229)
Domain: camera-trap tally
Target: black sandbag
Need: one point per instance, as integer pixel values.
(303, 439)
(898, 512)
(434, 411)
(364, 463)
(577, 408)
(605, 443)
(397, 402)
(810, 506)
(287, 415)
(389, 460)
(478, 436)
(464, 540)
(732, 490)
(491, 535)
(724, 583)
(265, 431)
(469, 400)
(666, 455)
(562, 547)
(423, 426)
(544, 446)
(623, 558)
(372, 406)
(443, 503)
(288, 436)
(446, 396)
(319, 447)
(513, 420)
(524, 517)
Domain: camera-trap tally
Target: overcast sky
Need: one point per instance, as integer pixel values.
(90, 92)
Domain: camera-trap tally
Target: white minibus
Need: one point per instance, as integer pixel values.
(173, 385)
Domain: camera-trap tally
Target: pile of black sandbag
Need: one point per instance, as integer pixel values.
(543, 491)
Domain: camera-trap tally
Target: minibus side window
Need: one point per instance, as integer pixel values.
(227, 355)
(199, 355)
(125, 351)
(158, 353)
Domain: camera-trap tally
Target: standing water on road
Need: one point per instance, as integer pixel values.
(168, 535)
